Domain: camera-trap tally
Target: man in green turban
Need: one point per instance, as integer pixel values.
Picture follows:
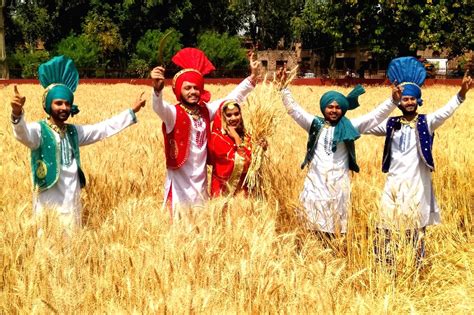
(331, 154)
(55, 157)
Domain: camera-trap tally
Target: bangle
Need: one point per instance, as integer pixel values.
(16, 119)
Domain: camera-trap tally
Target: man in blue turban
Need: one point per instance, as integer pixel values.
(408, 203)
(331, 154)
(55, 157)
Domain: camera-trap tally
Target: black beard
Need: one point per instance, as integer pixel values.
(407, 113)
(189, 104)
(57, 117)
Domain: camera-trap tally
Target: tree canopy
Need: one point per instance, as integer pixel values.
(117, 29)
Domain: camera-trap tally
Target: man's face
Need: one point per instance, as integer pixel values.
(60, 110)
(408, 104)
(333, 112)
(233, 118)
(190, 93)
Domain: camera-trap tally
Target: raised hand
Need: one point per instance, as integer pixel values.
(158, 77)
(466, 84)
(254, 67)
(139, 103)
(18, 101)
(397, 90)
(233, 134)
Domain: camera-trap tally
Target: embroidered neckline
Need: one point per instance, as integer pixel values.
(195, 113)
(411, 124)
(61, 131)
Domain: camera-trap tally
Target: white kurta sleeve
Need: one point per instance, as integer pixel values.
(437, 118)
(89, 134)
(28, 134)
(302, 117)
(239, 93)
(165, 110)
(379, 130)
(372, 119)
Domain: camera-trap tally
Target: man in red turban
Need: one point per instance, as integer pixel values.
(186, 125)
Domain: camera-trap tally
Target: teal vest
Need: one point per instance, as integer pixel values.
(46, 159)
(314, 132)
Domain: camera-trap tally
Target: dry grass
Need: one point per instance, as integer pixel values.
(244, 256)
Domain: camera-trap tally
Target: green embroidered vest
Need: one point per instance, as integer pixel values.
(46, 159)
(314, 132)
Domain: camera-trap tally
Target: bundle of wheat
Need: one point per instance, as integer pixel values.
(265, 112)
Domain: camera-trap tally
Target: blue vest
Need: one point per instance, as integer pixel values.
(313, 137)
(424, 141)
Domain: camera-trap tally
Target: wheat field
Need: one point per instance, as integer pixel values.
(232, 256)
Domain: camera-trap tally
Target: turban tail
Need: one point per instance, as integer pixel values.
(195, 66)
(344, 130)
(60, 78)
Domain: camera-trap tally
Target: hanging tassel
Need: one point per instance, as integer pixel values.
(353, 96)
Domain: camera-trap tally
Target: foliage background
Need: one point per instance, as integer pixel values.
(118, 28)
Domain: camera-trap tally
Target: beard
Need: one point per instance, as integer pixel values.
(185, 102)
(60, 116)
(406, 111)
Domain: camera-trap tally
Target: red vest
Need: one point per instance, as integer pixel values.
(178, 140)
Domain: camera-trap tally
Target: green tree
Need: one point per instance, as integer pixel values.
(224, 51)
(101, 30)
(146, 53)
(267, 22)
(81, 49)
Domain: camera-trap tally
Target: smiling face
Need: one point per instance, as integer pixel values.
(233, 117)
(60, 110)
(408, 105)
(332, 112)
(190, 93)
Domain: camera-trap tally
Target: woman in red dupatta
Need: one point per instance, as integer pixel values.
(230, 151)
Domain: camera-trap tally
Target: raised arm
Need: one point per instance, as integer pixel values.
(302, 117)
(374, 118)
(28, 134)
(89, 134)
(375, 122)
(242, 90)
(437, 118)
(165, 110)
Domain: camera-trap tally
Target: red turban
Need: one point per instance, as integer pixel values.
(195, 65)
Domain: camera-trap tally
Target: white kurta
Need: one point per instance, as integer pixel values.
(189, 182)
(408, 200)
(64, 196)
(326, 191)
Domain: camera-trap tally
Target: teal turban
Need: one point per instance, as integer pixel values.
(344, 130)
(60, 78)
(58, 91)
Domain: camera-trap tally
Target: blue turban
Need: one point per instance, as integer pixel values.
(344, 130)
(411, 89)
(409, 73)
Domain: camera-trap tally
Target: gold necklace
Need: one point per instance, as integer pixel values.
(61, 131)
(195, 113)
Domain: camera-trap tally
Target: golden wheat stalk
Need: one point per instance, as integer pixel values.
(266, 112)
